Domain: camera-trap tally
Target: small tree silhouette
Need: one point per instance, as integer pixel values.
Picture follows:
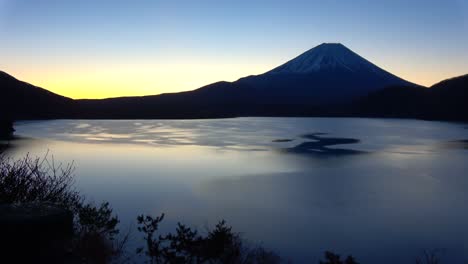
(220, 245)
(428, 257)
(332, 258)
(149, 225)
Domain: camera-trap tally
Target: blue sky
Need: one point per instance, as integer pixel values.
(96, 49)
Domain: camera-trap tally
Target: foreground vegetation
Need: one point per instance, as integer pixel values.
(37, 182)
(31, 181)
(94, 238)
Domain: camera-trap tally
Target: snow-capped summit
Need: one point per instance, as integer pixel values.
(327, 57)
(328, 73)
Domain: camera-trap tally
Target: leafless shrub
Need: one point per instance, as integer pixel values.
(42, 180)
(29, 180)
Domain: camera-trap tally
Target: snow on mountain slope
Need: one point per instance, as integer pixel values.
(328, 57)
(326, 74)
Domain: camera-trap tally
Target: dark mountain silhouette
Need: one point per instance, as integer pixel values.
(449, 98)
(20, 100)
(328, 80)
(326, 74)
(329, 74)
(445, 100)
(218, 100)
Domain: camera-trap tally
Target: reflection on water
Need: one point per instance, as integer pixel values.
(406, 194)
(320, 146)
(456, 144)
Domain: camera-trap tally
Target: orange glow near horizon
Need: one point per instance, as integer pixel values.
(101, 49)
(138, 80)
(121, 81)
(106, 77)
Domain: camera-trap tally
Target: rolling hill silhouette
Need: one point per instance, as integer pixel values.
(445, 100)
(328, 80)
(21, 100)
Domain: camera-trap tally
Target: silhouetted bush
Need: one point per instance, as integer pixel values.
(41, 181)
(29, 180)
(332, 258)
(428, 257)
(95, 232)
(219, 245)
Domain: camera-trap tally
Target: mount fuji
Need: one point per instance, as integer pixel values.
(328, 57)
(327, 74)
(328, 80)
(313, 83)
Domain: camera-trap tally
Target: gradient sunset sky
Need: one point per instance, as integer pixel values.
(98, 49)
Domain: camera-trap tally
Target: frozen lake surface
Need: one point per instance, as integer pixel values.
(382, 190)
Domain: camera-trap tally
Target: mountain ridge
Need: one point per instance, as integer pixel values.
(445, 100)
(21, 100)
(325, 74)
(328, 80)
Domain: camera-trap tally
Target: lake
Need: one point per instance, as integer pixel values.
(382, 190)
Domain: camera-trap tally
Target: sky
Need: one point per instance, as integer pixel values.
(101, 49)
